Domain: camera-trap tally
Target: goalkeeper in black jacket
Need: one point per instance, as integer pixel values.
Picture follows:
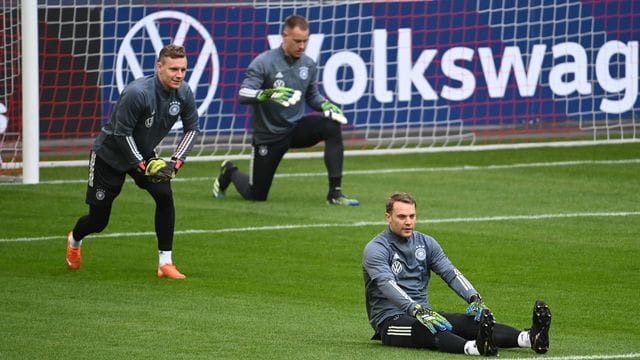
(397, 265)
(278, 84)
(145, 113)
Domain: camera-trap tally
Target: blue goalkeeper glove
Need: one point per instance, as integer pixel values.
(333, 112)
(282, 95)
(476, 305)
(431, 319)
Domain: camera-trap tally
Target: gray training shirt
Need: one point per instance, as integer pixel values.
(142, 117)
(397, 271)
(270, 120)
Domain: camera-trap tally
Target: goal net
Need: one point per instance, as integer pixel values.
(410, 75)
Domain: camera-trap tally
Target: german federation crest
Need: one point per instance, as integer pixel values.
(304, 73)
(174, 108)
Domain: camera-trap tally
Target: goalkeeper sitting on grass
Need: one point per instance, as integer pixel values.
(278, 83)
(147, 109)
(397, 264)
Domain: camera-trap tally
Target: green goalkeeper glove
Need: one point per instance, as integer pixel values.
(333, 112)
(476, 305)
(159, 170)
(282, 95)
(431, 319)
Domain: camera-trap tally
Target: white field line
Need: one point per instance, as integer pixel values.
(475, 168)
(337, 225)
(587, 357)
(394, 171)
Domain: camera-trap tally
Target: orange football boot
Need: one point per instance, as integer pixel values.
(169, 270)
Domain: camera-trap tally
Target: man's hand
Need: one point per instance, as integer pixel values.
(431, 319)
(141, 168)
(159, 170)
(282, 95)
(476, 305)
(333, 112)
(176, 164)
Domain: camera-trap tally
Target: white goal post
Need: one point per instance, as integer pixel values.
(30, 112)
(411, 76)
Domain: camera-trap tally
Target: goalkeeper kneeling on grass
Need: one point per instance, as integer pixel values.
(146, 111)
(277, 85)
(397, 264)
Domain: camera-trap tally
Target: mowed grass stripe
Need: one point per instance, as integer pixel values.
(336, 225)
(394, 170)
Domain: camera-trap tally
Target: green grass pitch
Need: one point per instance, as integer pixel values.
(283, 279)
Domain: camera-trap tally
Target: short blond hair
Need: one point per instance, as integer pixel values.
(172, 51)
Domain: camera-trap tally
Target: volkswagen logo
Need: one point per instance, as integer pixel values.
(129, 57)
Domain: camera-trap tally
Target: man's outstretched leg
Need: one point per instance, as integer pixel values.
(483, 345)
(165, 219)
(95, 221)
(539, 332)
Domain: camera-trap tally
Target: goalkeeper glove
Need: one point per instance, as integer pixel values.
(159, 170)
(333, 112)
(476, 305)
(282, 95)
(431, 319)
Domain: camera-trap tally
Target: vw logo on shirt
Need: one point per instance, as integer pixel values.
(396, 267)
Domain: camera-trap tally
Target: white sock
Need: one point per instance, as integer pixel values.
(73, 242)
(523, 339)
(470, 348)
(164, 257)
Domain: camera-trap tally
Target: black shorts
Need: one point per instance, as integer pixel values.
(407, 331)
(266, 158)
(105, 182)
